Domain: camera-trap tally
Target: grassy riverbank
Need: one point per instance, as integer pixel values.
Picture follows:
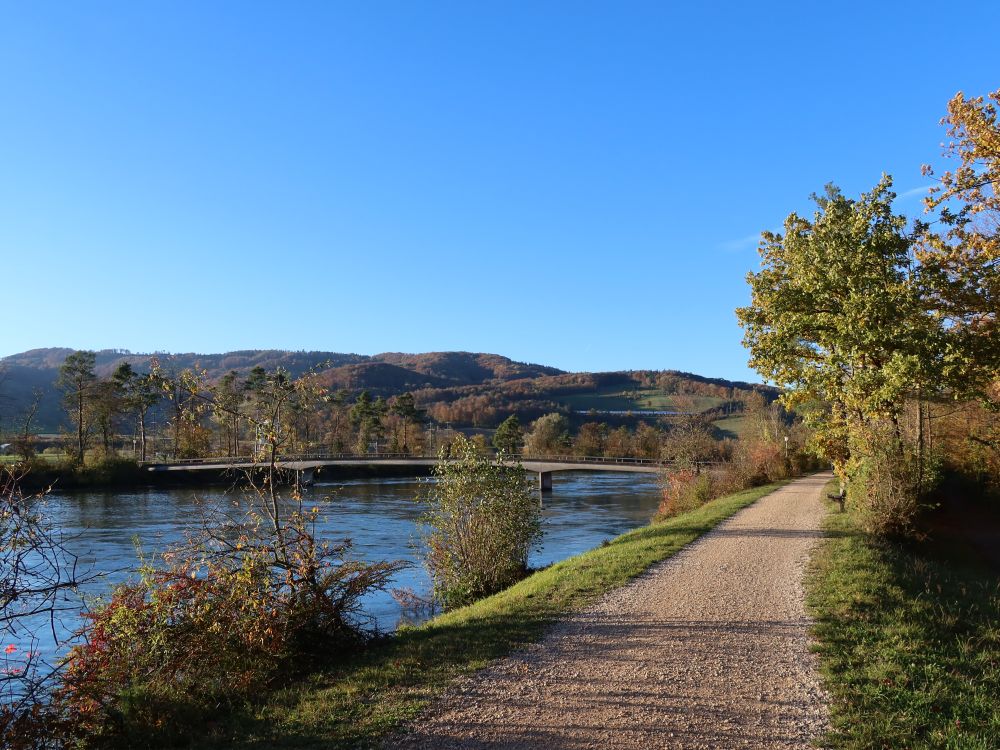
(375, 693)
(909, 639)
(115, 474)
(125, 475)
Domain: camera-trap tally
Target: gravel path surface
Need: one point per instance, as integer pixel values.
(709, 649)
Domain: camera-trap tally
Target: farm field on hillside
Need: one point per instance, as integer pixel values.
(732, 426)
(616, 398)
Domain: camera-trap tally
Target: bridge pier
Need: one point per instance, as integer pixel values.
(545, 481)
(304, 478)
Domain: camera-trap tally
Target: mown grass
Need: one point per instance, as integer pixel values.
(909, 642)
(362, 701)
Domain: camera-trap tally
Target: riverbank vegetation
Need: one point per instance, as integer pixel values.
(482, 521)
(244, 634)
(379, 690)
(250, 602)
(109, 405)
(236, 417)
(774, 446)
(908, 634)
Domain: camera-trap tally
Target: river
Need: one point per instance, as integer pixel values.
(380, 516)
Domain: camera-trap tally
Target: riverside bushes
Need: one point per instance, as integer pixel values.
(686, 489)
(884, 471)
(481, 522)
(37, 577)
(752, 463)
(247, 604)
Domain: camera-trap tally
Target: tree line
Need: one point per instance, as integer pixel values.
(883, 331)
(161, 415)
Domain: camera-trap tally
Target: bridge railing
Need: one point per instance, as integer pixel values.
(254, 461)
(626, 460)
(378, 457)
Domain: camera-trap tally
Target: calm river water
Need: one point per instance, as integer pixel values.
(379, 515)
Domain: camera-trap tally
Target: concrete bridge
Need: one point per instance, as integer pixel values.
(306, 466)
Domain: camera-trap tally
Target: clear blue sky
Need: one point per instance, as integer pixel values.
(576, 184)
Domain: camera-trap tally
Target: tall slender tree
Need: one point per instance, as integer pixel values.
(106, 406)
(366, 417)
(229, 395)
(140, 392)
(509, 435)
(405, 407)
(76, 380)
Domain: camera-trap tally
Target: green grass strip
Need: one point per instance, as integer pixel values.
(361, 702)
(909, 642)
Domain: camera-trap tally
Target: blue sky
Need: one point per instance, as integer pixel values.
(576, 184)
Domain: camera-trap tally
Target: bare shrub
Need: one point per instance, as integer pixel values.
(886, 476)
(750, 463)
(689, 441)
(248, 602)
(683, 491)
(38, 582)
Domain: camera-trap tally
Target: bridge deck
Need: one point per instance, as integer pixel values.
(306, 463)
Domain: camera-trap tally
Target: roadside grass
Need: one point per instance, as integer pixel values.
(616, 398)
(359, 703)
(909, 641)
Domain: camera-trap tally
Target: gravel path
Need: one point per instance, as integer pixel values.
(708, 649)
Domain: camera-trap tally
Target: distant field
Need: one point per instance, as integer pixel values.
(617, 398)
(734, 426)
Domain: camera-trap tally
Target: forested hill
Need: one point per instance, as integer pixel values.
(463, 388)
(455, 367)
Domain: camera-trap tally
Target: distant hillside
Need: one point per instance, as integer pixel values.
(216, 365)
(462, 388)
(467, 368)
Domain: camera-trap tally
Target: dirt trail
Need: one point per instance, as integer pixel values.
(708, 649)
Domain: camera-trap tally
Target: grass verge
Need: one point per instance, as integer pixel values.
(359, 703)
(909, 642)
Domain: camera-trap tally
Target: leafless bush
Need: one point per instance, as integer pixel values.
(39, 579)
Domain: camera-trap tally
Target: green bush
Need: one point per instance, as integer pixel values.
(481, 522)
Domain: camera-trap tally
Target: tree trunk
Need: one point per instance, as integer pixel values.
(177, 424)
(920, 444)
(79, 425)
